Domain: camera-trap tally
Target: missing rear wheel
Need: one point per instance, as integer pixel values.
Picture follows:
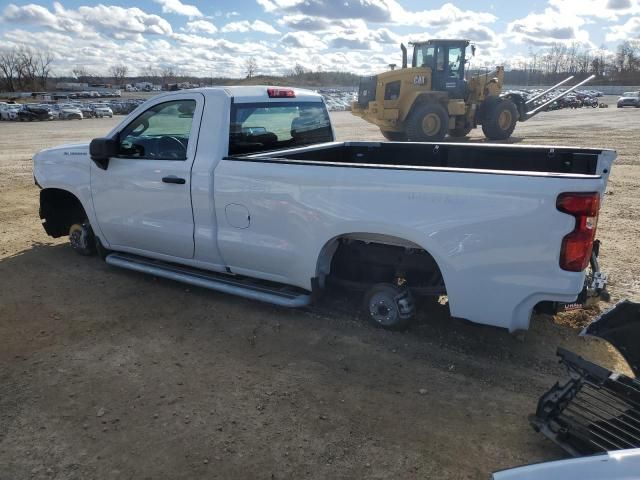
(388, 306)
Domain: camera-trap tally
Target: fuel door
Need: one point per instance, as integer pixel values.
(237, 215)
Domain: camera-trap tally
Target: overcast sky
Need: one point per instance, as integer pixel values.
(362, 36)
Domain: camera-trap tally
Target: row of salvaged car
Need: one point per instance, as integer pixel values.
(64, 111)
(577, 99)
(580, 99)
(338, 100)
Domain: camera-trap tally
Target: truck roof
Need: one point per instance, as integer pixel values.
(258, 93)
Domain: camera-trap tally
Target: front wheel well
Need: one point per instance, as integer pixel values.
(59, 210)
(519, 102)
(360, 261)
(428, 97)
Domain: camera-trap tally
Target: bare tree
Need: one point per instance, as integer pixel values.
(299, 70)
(25, 68)
(168, 75)
(9, 68)
(81, 74)
(28, 69)
(149, 73)
(42, 63)
(628, 57)
(119, 73)
(250, 66)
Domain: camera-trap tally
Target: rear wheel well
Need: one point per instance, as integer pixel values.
(360, 262)
(59, 210)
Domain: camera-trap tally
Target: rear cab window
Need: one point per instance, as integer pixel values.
(264, 126)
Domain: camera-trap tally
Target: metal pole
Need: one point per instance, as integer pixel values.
(548, 90)
(538, 109)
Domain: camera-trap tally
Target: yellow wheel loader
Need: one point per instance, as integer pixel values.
(432, 98)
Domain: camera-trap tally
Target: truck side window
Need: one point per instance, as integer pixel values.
(160, 133)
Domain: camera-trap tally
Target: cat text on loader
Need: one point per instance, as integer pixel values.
(432, 98)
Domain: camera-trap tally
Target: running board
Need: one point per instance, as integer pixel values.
(281, 295)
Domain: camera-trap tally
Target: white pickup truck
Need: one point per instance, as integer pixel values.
(245, 190)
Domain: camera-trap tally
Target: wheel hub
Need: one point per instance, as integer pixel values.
(504, 120)
(78, 237)
(383, 309)
(430, 124)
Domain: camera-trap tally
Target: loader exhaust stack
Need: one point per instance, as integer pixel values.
(404, 55)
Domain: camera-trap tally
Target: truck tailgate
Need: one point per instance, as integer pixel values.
(596, 410)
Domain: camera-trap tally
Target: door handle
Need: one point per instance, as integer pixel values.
(174, 179)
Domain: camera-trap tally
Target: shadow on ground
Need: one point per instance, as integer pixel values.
(112, 374)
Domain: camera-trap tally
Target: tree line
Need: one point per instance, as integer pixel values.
(29, 69)
(622, 67)
(25, 68)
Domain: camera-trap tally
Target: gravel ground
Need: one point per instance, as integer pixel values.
(109, 374)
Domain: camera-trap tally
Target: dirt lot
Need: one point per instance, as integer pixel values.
(108, 374)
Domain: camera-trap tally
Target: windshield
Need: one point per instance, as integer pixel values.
(258, 127)
(630, 94)
(423, 56)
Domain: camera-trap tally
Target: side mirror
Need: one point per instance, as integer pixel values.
(101, 149)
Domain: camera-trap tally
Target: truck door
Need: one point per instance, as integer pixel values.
(448, 74)
(142, 199)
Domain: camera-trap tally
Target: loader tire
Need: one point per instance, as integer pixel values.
(427, 123)
(500, 120)
(394, 136)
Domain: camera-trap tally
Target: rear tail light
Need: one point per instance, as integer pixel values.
(576, 246)
(281, 93)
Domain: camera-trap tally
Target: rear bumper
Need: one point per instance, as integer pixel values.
(594, 290)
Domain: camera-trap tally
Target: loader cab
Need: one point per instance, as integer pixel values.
(446, 59)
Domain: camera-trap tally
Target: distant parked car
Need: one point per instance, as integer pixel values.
(102, 111)
(70, 113)
(10, 112)
(51, 109)
(87, 111)
(629, 99)
(29, 113)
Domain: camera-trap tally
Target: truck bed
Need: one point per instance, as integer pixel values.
(480, 211)
(490, 158)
